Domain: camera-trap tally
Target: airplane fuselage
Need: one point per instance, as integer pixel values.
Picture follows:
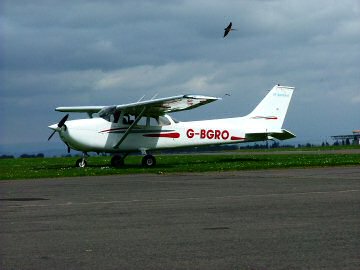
(99, 135)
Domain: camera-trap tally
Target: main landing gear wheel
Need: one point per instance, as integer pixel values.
(81, 163)
(117, 161)
(148, 161)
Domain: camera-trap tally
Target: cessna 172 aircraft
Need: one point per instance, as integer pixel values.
(145, 125)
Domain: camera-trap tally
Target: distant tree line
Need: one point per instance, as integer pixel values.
(40, 155)
(206, 148)
(6, 156)
(267, 145)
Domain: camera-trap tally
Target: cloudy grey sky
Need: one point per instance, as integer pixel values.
(63, 53)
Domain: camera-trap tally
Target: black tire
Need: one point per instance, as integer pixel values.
(148, 161)
(80, 163)
(117, 161)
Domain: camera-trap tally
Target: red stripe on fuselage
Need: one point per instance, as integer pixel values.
(234, 138)
(173, 135)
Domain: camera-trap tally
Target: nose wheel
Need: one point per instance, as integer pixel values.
(81, 162)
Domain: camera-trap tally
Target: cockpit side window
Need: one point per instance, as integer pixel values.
(117, 116)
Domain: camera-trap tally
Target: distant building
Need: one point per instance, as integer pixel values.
(355, 137)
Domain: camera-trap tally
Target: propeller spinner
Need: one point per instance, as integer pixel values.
(59, 126)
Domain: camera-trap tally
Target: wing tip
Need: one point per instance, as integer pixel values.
(201, 97)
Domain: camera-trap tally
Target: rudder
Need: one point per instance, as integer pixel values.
(273, 107)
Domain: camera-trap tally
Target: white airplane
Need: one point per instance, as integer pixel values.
(145, 125)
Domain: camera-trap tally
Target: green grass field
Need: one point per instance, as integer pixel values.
(21, 168)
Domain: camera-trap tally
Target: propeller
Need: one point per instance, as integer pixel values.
(59, 125)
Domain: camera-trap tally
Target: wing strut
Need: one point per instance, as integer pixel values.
(130, 128)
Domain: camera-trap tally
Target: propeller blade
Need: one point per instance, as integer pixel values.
(68, 147)
(52, 134)
(63, 120)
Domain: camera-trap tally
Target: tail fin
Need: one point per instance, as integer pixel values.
(271, 111)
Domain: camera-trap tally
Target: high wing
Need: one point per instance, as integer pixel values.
(153, 108)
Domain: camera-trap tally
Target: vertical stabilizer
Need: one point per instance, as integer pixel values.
(271, 111)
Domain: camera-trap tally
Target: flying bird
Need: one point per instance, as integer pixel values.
(228, 29)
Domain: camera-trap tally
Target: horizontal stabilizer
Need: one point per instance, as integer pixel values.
(283, 135)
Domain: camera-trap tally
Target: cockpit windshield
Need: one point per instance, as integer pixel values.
(163, 121)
